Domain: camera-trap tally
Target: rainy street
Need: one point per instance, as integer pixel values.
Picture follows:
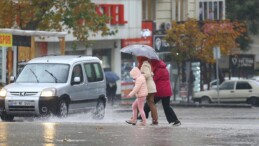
(200, 126)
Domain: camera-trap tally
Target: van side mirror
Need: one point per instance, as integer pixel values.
(12, 79)
(76, 80)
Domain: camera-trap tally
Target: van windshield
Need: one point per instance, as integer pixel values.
(44, 73)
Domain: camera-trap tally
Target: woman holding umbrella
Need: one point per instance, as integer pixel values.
(164, 91)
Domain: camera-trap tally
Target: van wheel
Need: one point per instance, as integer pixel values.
(205, 100)
(62, 110)
(5, 117)
(99, 111)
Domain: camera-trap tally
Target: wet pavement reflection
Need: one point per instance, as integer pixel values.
(200, 126)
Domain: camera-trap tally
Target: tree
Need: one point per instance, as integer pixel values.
(223, 34)
(190, 40)
(184, 39)
(244, 11)
(77, 16)
(247, 12)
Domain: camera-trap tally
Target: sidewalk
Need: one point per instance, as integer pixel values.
(180, 102)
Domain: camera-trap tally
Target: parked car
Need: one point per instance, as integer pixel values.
(55, 85)
(213, 84)
(256, 78)
(242, 91)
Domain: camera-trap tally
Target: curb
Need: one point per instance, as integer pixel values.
(211, 105)
(200, 105)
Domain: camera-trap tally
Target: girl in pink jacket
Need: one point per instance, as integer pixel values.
(140, 91)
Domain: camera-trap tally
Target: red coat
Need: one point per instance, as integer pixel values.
(161, 78)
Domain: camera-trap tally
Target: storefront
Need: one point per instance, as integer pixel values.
(18, 47)
(125, 19)
(128, 61)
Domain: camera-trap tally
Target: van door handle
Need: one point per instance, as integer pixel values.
(231, 91)
(250, 91)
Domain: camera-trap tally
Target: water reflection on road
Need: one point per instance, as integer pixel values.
(49, 133)
(200, 126)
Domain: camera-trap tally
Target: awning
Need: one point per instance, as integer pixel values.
(33, 33)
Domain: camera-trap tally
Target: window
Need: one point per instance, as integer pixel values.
(77, 72)
(93, 72)
(148, 7)
(44, 73)
(227, 86)
(243, 85)
(211, 9)
(98, 72)
(105, 56)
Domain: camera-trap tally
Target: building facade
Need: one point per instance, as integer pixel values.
(126, 19)
(166, 11)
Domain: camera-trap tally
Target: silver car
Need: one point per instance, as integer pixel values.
(234, 91)
(56, 85)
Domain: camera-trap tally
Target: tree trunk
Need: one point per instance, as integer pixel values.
(176, 79)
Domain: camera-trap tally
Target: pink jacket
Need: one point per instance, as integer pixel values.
(140, 88)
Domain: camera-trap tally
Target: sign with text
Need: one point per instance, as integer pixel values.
(6, 40)
(160, 44)
(114, 11)
(241, 61)
(242, 65)
(21, 40)
(146, 25)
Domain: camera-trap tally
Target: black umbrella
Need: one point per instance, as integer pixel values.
(111, 77)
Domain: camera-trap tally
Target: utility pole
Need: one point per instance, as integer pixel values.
(216, 54)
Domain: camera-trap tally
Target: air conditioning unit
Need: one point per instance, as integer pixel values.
(165, 26)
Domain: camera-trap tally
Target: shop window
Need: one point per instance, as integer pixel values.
(127, 63)
(105, 56)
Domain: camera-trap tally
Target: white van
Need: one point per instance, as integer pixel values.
(55, 85)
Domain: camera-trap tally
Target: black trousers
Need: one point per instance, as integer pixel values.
(169, 112)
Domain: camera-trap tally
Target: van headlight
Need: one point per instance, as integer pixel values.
(3, 92)
(49, 92)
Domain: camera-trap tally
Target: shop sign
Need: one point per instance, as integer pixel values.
(243, 61)
(114, 11)
(6, 40)
(145, 40)
(21, 40)
(126, 42)
(241, 65)
(160, 44)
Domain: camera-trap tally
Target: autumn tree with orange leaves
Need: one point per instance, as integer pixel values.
(192, 40)
(184, 39)
(222, 34)
(76, 16)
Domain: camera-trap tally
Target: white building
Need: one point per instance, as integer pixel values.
(127, 20)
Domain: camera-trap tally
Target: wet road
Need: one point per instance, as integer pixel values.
(200, 126)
